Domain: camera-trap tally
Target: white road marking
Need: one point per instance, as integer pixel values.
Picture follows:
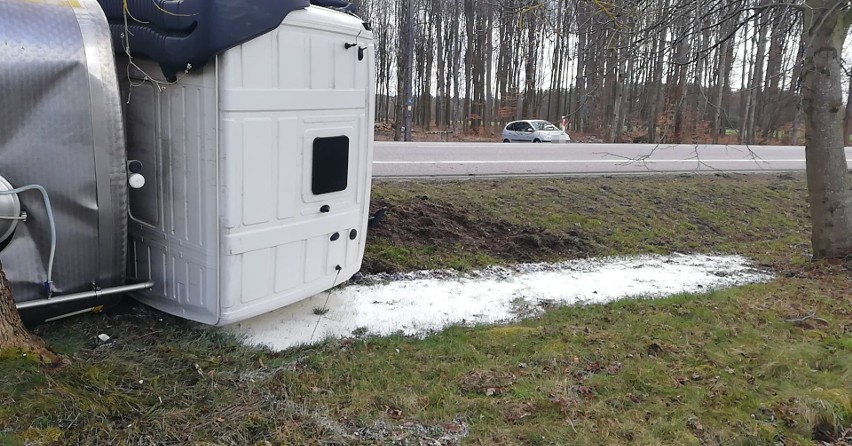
(691, 161)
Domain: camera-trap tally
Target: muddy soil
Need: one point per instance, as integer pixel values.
(426, 223)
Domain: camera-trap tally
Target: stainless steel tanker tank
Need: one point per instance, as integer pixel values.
(60, 130)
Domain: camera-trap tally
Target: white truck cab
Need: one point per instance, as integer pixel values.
(257, 170)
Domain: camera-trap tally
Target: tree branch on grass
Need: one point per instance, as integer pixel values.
(811, 316)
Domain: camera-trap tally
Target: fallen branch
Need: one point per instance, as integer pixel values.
(805, 318)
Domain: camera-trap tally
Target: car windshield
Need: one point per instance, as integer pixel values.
(543, 125)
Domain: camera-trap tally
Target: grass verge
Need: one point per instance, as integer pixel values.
(761, 365)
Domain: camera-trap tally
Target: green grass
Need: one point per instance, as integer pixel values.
(763, 217)
(755, 365)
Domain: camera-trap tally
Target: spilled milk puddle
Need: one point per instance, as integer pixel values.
(427, 301)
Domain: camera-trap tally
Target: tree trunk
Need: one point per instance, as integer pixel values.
(408, 70)
(718, 93)
(487, 92)
(13, 335)
(530, 68)
(580, 97)
(614, 89)
(747, 95)
(795, 92)
(797, 118)
(847, 119)
(441, 95)
(756, 82)
(772, 91)
(655, 89)
(826, 25)
(698, 94)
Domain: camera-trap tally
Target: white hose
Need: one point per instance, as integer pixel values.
(48, 285)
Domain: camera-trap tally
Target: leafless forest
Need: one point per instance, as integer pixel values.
(622, 70)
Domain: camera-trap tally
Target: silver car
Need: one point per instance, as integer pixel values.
(533, 130)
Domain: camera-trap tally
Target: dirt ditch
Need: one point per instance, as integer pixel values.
(428, 223)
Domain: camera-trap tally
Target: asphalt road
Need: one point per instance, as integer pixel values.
(418, 159)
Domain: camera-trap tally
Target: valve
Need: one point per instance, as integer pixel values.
(10, 210)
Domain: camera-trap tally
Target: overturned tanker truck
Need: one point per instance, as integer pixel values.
(210, 158)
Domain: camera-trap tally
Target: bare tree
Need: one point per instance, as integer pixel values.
(826, 26)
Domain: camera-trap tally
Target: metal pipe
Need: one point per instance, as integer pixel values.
(85, 295)
(48, 284)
